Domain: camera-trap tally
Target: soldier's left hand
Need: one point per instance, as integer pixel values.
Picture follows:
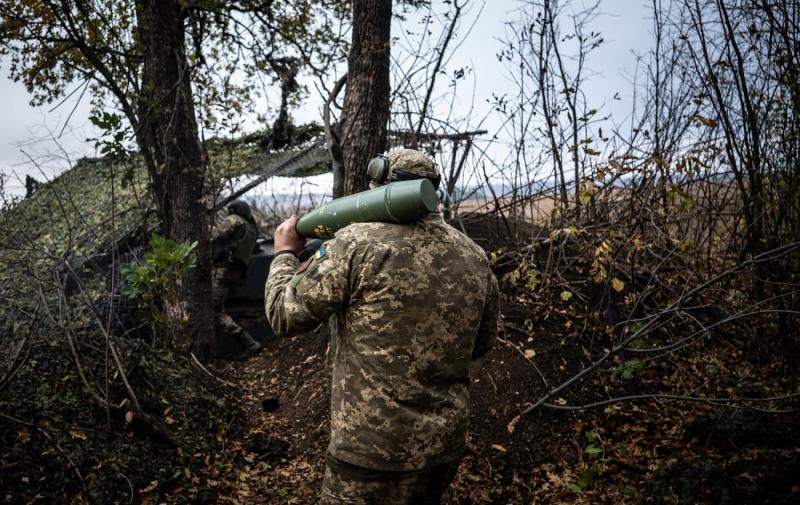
(286, 237)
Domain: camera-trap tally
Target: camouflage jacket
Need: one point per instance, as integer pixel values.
(233, 239)
(415, 304)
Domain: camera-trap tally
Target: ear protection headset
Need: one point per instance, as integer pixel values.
(378, 169)
(378, 173)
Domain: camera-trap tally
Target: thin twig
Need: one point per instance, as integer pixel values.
(15, 368)
(516, 348)
(766, 256)
(57, 446)
(197, 363)
(713, 401)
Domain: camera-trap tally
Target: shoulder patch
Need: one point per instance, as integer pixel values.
(304, 265)
(321, 252)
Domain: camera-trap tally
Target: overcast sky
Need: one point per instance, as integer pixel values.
(624, 24)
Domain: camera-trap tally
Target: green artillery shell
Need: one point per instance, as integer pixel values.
(399, 202)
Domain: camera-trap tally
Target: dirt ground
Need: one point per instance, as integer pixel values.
(658, 452)
(285, 394)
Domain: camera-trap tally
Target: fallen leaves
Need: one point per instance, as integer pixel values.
(77, 435)
(150, 487)
(513, 424)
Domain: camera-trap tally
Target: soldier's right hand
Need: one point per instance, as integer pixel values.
(286, 237)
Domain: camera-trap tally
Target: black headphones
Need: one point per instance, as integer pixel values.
(378, 172)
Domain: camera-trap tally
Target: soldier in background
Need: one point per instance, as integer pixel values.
(233, 241)
(415, 304)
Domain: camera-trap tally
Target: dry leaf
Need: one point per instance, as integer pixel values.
(473, 478)
(529, 353)
(499, 447)
(617, 284)
(512, 424)
(150, 487)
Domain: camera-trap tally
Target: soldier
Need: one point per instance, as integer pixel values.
(233, 241)
(415, 304)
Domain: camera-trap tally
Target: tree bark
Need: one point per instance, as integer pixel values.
(169, 135)
(366, 100)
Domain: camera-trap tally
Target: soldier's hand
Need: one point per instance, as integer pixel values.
(287, 239)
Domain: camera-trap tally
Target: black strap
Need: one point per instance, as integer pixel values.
(402, 175)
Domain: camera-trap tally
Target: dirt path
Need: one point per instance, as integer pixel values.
(285, 395)
(284, 398)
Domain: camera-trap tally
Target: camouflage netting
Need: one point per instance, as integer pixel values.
(72, 222)
(67, 333)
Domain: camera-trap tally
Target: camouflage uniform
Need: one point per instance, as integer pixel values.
(233, 240)
(417, 487)
(414, 305)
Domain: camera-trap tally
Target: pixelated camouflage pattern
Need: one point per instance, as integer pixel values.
(225, 226)
(225, 276)
(414, 304)
(412, 161)
(233, 238)
(424, 487)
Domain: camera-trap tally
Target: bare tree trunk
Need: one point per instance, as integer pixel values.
(170, 136)
(366, 99)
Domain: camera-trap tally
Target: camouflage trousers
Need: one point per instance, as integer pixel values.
(375, 487)
(225, 277)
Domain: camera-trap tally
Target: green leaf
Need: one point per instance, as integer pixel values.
(638, 325)
(533, 279)
(630, 368)
(574, 487)
(587, 477)
(151, 281)
(566, 295)
(593, 450)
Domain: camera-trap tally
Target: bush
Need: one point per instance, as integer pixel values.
(152, 283)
